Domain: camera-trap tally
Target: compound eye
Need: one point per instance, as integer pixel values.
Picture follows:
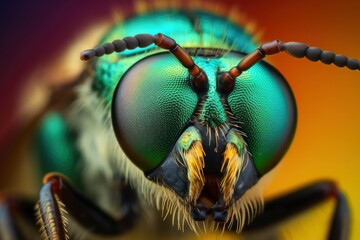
(264, 104)
(225, 83)
(152, 104)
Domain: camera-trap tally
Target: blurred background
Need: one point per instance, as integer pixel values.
(40, 42)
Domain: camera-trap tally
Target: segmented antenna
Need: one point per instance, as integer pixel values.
(226, 80)
(294, 49)
(144, 40)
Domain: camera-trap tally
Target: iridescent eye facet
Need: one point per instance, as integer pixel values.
(264, 104)
(152, 104)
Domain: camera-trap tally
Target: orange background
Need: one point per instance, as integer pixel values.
(327, 140)
(328, 133)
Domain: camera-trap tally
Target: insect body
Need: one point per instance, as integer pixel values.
(190, 118)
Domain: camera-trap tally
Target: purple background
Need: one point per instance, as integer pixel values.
(31, 33)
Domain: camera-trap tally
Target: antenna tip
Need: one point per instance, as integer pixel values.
(87, 55)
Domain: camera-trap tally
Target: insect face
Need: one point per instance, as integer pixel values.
(207, 144)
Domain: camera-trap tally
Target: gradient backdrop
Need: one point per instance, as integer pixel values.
(327, 141)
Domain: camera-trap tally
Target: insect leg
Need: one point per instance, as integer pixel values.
(300, 200)
(17, 219)
(58, 200)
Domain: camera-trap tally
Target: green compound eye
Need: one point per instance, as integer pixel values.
(152, 104)
(264, 104)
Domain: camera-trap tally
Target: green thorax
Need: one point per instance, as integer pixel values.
(189, 30)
